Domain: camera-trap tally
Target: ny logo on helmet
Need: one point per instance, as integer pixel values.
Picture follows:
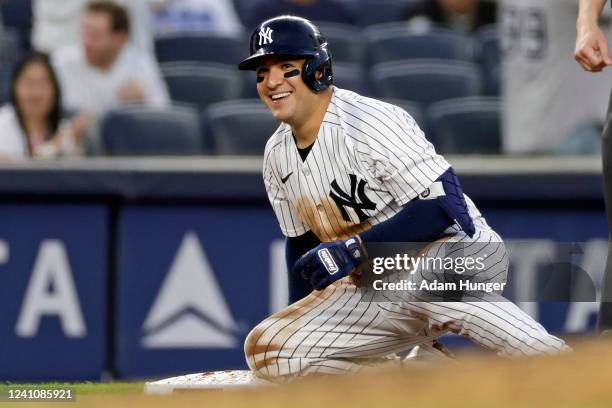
(265, 36)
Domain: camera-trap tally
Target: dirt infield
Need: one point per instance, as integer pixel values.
(579, 379)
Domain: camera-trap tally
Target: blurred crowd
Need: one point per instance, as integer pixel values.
(159, 77)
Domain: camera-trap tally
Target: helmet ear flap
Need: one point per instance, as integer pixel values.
(312, 65)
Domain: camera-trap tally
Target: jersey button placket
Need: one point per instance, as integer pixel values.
(308, 174)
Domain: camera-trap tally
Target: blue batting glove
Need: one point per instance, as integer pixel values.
(330, 261)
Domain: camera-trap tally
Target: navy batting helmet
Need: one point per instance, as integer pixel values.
(292, 36)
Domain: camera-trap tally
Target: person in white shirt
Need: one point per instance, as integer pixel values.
(31, 124)
(104, 72)
(55, 23)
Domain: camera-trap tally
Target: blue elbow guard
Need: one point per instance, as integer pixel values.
(447, 190)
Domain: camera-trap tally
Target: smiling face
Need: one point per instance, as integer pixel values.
(284, 92)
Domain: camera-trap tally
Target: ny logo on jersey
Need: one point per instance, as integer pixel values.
(265, 36)
(357, 200)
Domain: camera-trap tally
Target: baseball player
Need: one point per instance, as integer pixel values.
(341, 171)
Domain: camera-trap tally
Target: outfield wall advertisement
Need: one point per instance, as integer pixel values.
(53, 296)
(191, 283)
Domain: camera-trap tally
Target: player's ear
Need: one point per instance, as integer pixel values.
(319, 74)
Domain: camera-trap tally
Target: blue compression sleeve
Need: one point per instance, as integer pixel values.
(424, 219)
(418, 221)
(295, 247)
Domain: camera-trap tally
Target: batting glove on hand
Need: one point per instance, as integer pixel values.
(330, 261)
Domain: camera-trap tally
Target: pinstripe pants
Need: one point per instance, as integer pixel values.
(343, 329)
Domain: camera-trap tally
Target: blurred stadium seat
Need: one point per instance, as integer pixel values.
(249, 85)
(426, 81)
(10, 52)
(466, 125)
(344, 41)
(487, 53)
(242, 8)
(381, 11)
(390, 42)
(240, 127)
(200, 47)
(351, 77)
(17, 14)
(201, 84)
(140, 131)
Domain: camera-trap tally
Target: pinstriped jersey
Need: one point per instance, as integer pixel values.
(369, 159)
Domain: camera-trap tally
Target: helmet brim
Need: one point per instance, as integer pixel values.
(250, 63)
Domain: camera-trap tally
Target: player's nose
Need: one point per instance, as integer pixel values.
(275, 77)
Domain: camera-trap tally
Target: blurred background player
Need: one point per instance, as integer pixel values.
(549, 105)
(593, 54)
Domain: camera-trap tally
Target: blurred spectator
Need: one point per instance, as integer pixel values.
(461, 15)
(314, 10)
(31, 123)
(56, 22)
(104, 71)
(209, 16)
(548, 99)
